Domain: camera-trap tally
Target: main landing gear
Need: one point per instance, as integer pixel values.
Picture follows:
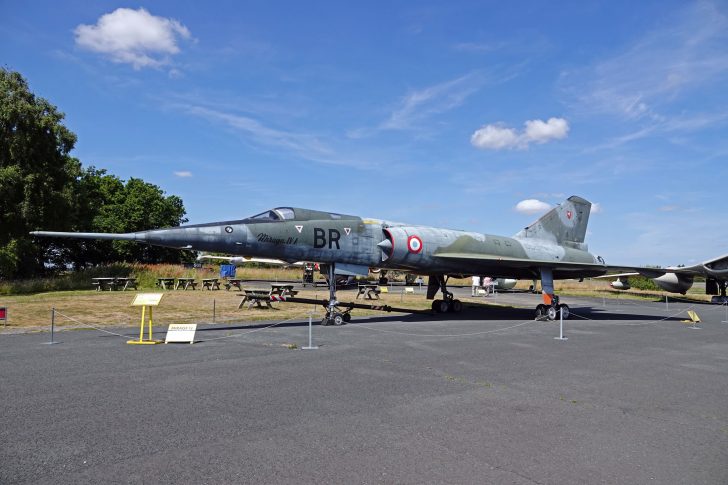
(333, 315)
(550, 308)
(449, 303)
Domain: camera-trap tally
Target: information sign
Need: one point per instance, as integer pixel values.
(181, 332)
(147, 299)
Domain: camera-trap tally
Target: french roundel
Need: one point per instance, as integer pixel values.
(414, 244)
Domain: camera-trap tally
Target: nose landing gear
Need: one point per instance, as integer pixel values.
(550, 308)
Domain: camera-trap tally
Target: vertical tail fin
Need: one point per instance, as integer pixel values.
(564, 224)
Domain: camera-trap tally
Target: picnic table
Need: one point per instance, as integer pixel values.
(255, 296)
(126, 283)
(282, 289)
(113, 283)
(102, 284)
(185, 283)
(165, 283)
(370, 292)
(211, 284)
(233, 282)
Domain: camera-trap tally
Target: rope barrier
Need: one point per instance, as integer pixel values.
(86, 325)
(359, 325)
(673, 315)
(251, 331)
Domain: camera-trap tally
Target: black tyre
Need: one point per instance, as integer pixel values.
(338, 319)
(540, 311)
(456, 306)
(552, 312)
(565, 311)
(346, 317)
(440, 306)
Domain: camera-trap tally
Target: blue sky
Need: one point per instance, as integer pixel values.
(468, 115)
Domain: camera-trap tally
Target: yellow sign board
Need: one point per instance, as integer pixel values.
(147, 299)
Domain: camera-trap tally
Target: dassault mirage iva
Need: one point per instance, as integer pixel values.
(551, 248)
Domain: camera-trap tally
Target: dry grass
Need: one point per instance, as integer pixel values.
(79, 308)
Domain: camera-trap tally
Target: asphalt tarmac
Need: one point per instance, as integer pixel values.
(487, 396)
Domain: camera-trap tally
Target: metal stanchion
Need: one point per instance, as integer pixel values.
(53, 326)
(213, 310)
(726, 313)
(311, 346)
(561, 327)
(667, 305)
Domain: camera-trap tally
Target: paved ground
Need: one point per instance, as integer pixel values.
(634, 396)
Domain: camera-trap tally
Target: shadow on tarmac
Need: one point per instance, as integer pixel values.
(469, 313)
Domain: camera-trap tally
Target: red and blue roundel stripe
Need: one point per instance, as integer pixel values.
(414, 244)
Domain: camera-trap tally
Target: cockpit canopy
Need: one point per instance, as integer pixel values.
(281, 214)
(278, 214)
(295, 214)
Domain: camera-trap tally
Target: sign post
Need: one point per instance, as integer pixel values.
(146, 300)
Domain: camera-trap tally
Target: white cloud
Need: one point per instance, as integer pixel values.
(434, 99)
(495, 137)
(183, 173)
(540, 131)
(133, 37)
(596, 208)
(498, 137)
(532, 206)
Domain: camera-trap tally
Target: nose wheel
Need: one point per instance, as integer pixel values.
(551, 312)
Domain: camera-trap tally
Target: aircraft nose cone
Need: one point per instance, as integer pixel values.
(386, 247)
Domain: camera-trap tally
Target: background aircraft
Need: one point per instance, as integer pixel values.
(679, 279)
(551, 248)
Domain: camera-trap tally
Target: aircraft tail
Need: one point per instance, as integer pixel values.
(565, 224)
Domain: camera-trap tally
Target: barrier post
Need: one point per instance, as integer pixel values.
(53, 327)
(213, 310)
(726, 313)
(4, 315)
(667, 305)
(310, 335)
(561, 327)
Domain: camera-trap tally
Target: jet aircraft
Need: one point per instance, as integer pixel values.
(551, 248)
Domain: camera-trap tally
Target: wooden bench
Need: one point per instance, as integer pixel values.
(165, 283)
(186, 283)
(370, 292)
(233, 283)
(210, 284)
(282, 290)
(255, 296)
(126, 283)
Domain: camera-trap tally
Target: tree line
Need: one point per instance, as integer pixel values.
(43, 187)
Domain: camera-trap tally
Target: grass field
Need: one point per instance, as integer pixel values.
(86, 308)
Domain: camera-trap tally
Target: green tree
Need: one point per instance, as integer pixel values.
(37, 175)
(43, 187)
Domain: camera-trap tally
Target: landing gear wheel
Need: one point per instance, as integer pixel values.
(456, 306)
(338, 319)
(325, 321)
(346, 317)
(551, 312)
(565, 312)
(440, 306)
(540, 311)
